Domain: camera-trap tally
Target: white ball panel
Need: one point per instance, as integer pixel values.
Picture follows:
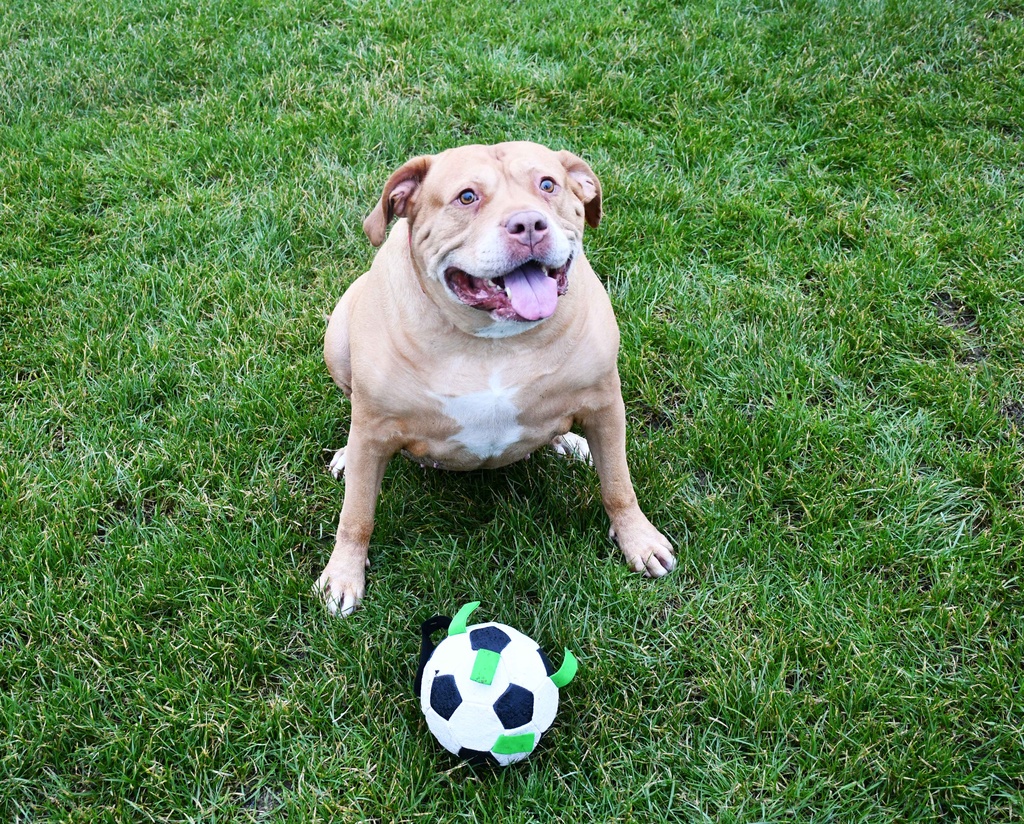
(481, 693)
(442, 732)
(545, 704)
(476, 726)
(505, 760)
(451, 655)
(428, 680)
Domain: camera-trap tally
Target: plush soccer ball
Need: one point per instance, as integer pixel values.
(488, 692)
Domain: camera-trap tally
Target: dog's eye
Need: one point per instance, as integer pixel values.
(547, 185)
(467, 197)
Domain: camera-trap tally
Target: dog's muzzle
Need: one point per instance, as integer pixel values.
(529, 292)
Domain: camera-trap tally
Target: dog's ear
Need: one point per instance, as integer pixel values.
(587, 187)
(397, 199)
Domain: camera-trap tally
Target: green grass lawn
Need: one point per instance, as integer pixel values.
(814, 239)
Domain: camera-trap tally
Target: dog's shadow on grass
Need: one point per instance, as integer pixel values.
(533, 497)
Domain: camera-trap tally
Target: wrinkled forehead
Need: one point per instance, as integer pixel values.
(487, 167)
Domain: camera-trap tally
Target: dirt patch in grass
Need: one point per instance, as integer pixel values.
(1013, 411)
(953, 312)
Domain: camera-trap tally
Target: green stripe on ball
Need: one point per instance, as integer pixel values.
(513, 744)
(484, 667)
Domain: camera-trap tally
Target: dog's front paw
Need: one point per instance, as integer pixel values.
(337, 465)
(342, 585)
(571, 445)
(647, 551)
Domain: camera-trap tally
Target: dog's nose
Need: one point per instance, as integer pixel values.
(528, 227)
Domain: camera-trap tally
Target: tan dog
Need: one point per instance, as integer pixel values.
(479, 335)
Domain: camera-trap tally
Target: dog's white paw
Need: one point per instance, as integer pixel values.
(341, 592)
(571, 445)
(647, 551)
(337, 465)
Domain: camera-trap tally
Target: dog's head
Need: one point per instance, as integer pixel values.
(493, 230)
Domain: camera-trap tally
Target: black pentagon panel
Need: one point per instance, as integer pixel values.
(490, 638)
(444, 696)
(550, 670)
(478, 758)
(515, 707)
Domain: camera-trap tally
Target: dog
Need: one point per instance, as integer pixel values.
(479, 335)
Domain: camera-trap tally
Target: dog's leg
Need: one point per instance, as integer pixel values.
(343, 582)
(338, 357)
(645, 548)
(337, 349)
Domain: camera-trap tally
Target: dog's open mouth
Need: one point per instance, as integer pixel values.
(527, 293)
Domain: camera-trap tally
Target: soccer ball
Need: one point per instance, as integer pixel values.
(489, 692)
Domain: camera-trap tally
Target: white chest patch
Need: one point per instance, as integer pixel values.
(488, 419)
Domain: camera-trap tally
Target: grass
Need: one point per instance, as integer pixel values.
(813, 238)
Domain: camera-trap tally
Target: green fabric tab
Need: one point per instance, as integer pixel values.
(458, 624)
(513, 744)
(566, 671)
(484, 667)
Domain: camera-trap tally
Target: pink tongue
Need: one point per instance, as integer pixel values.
(533, 294)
